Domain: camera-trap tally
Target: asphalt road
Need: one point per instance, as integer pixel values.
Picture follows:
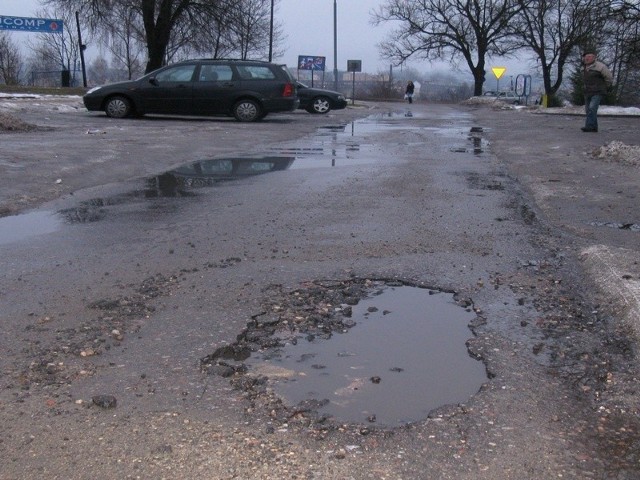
(119, 285)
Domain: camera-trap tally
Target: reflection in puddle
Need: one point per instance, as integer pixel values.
(209, 172)
(405, 356)
(348, 144)
(16, 228)
(179, 183)
(475, 136)
(632, 227)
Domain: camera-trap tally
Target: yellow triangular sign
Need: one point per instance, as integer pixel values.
(498, 71)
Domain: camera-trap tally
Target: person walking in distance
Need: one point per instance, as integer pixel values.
(597, 79)
(408, 93)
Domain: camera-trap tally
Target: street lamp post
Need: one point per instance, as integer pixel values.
(335, 45)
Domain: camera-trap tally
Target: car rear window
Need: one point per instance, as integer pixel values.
(287, 72)
(255, 72)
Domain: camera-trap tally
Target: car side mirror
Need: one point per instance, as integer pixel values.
(154, 81)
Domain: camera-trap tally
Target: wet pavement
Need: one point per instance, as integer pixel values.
(160, 289)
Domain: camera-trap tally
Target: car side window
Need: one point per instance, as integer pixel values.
(255, 72)
(215, 73)
(180, 73)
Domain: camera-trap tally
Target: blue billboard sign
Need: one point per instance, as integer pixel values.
(309, 62)
(29, 24)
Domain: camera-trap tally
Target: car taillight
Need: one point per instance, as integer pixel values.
(288, 90)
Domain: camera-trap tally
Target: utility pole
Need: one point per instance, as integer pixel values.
(271, 33)
(335, 45)
(82, 47)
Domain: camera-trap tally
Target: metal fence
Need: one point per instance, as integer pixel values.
(55, 78)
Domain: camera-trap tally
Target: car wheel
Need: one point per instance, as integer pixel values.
(320, 105)
(118, 107)
(247, 111)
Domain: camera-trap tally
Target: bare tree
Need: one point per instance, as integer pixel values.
(99, 71)
(211, 35)
(159, 19)
(238, 29)
(125, 39)
(43, 65)
(10, 60)
(251, 27)
(448, 29)
(629, 8)
(171, 28)
(57, 50)
(622, 44)
(555, 30)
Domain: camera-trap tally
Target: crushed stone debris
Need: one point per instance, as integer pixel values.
(617, 151)
(9, 123)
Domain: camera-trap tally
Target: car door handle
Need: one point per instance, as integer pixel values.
(228, 84)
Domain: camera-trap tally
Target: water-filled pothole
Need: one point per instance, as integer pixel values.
(403, 356)
(16, 228)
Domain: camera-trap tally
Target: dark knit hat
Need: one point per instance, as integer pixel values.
(589, 50)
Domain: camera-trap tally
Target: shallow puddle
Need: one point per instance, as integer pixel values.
(405, 356)
(345, 145)
(632, 227)
(16, 228)
(339, 145)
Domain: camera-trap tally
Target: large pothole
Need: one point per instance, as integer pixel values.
(359, 351)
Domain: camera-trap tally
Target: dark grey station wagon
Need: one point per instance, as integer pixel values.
(245, 89)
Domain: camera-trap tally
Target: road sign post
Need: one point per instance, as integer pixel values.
(498, 72)
(353, 66)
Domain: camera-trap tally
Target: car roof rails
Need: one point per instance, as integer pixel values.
(234, 60)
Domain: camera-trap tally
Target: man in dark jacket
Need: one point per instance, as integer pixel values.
(597, 79)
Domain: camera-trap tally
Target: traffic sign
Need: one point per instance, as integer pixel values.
(28, 24)
(354, 65)
(498, 71)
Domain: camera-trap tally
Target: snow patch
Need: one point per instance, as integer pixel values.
(620, 152)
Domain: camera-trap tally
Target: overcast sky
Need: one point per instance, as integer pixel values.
(308, 26)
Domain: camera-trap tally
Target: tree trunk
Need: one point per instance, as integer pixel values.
(478, 80)
(158, 30)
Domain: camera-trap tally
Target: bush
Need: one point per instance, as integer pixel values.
(554, 101)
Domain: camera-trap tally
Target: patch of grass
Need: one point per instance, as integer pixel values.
(43, 90)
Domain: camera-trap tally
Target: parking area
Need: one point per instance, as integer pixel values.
(114, 334)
